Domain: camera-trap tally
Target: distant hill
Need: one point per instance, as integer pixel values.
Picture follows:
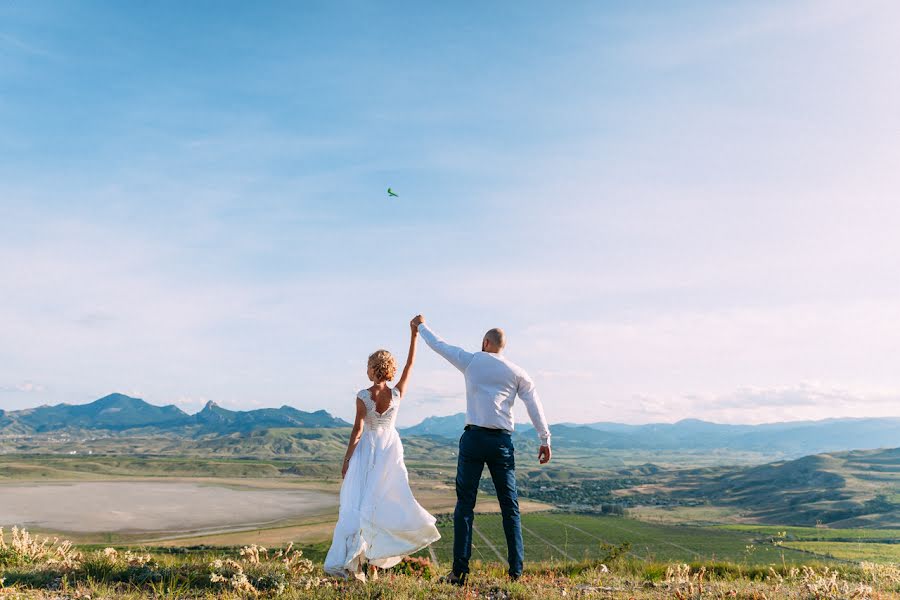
(797, 438)
(114, 412)
(120, 413)
(845, 489)
(123, 415)
(448, 427)
(217, 419)
(789, 439)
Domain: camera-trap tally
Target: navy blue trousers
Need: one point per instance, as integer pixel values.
(494, 448)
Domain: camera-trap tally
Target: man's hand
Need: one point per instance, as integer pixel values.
(544, 455)
(418, 320)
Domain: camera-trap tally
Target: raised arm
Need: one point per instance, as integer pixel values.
(456, 356)
(410, 358)
(355, 434)
(528, 393)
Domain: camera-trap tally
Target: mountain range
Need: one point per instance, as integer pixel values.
(118, 413)
(789, 439)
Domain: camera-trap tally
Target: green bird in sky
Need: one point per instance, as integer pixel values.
(391, 193)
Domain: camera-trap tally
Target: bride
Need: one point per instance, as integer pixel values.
(379, 521)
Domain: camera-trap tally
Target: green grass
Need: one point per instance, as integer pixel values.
(852, 551)
(188, 575)
(819, 533)
(33, 571)
(560, 537)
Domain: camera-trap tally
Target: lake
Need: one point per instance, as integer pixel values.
(149, 506)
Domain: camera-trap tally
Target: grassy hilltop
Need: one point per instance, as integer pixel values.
(34, 568)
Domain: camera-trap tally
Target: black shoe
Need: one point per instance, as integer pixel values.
(514, 577)
(454, 578)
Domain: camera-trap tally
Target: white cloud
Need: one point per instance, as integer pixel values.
(689, 363)
(806, 401)
(27, 387)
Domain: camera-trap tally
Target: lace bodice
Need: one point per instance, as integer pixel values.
(374, 420)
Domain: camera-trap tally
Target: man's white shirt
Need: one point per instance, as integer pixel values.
(492, 384)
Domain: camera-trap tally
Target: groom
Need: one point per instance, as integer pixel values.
(492, 384)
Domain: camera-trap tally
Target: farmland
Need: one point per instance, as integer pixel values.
(568, 537)
(851, 551)
(820, 533)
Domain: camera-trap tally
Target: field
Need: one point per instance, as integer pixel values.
(562, 537)
(159, 507)
(567, 552)
(820, 533)
(851, 551)
(685, 533)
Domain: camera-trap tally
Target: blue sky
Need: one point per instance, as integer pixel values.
(674, 210)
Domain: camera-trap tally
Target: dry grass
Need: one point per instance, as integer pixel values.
(24, 549)
(309, 533)
(43, 569)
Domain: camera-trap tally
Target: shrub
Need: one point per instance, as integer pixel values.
(415, 567)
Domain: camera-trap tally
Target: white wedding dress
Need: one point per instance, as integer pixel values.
(379, 521)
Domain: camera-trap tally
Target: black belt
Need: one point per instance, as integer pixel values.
(487, 429)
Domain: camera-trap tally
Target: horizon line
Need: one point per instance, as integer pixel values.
(213, 402)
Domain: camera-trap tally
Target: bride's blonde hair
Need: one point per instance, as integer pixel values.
(383, 365)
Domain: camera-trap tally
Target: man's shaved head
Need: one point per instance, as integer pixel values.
(494, 340)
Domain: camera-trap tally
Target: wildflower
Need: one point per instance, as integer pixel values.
(25, 548)
(252, 553)
(877, 572)
(240, 583)
(136, 560)
(678, 573)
